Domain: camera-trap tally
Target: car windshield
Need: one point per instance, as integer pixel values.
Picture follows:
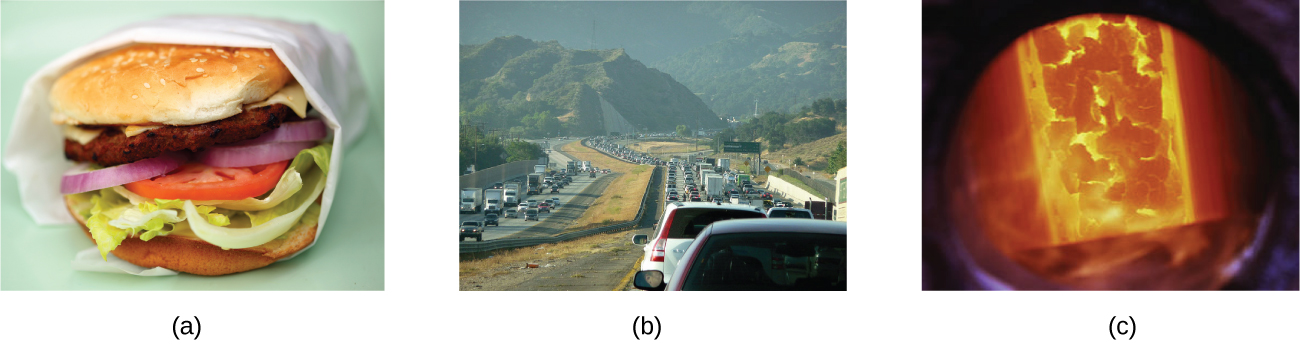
(789, 214)
(769, 261)
(469, 224)
(491, 216)
(687, 222)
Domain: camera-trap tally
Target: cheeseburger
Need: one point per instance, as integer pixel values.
(198, 159)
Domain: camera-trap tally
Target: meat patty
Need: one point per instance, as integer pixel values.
(113, 148)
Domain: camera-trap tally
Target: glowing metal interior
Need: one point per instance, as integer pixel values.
(1107, 126)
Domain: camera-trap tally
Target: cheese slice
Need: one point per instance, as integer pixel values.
(291, 95)
(80, 135)
(131, 131)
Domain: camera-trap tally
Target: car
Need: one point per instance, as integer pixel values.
(695, 197)
(788, 212)
(491, 219)
(530, 215)
(544, 207)
(555, 202)
(532, 203)
(672, 197)
(512, 212)
(785, 254)
(593, 174)
(471, 229)
(555, 189)
(497, 185)
(677, 228)
(523, 206)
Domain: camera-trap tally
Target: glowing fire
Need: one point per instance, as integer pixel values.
(1107, 126)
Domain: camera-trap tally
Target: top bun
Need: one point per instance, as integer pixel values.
(150, 84)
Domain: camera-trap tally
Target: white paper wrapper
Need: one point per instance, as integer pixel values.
(322, 61)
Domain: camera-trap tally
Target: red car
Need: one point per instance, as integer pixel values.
(544, 207)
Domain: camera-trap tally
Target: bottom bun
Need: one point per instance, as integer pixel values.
(195, 256)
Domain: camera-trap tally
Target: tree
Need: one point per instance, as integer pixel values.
(682, 131)
(838, 158)
(775, 142)
(798, 161)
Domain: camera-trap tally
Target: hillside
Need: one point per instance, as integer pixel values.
(779, 70)
(813, 153)
(649, 30)
(521, 85)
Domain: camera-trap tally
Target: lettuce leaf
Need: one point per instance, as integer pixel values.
(276, 221)
(105, 206)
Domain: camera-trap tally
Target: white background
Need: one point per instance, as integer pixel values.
(422, 309)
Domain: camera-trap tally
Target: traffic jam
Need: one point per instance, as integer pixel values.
(525, 199)
(719, 231)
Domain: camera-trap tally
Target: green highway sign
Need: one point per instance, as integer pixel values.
(741, 147)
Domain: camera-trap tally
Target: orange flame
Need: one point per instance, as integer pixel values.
(1107, 126)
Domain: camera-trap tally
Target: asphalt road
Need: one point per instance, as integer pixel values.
(574, 199)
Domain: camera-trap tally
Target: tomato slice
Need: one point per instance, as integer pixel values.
(199, 182)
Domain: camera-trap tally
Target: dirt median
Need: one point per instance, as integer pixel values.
(599, 264)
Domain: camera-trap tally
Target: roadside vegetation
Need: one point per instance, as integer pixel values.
(484, 150)
(621, 199)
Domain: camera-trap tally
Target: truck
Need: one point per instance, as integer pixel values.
(715, 186)
(539, 168)
(586, 166)
(494, 199)
(471, 200)
(512, 194)
(534, 184)
(818, 208)
(571, 167)
(723, 163)
(742, 179)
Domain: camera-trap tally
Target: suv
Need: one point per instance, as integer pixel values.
(761, 254)
(530, 215)
(512, 212)
(544, 207)
(471, 229)
(788, 212)
(678, 227)
(491, 219)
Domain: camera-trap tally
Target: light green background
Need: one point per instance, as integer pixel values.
(349, 254)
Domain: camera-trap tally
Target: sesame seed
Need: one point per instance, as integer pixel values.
(221, 51)
(146, 85)
(234, 68)
(200, 69)
(261, 66)
(225, 57)
(194, 59)
(197, 54)
(203, 60)
(144, 64)
(246, 56)
(133, 97)
(163, 81)
(290, 98)
(264, 53)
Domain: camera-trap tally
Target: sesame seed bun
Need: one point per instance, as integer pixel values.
(150, 84)
(195, 256)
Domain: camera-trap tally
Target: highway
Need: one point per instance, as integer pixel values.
(574, 200)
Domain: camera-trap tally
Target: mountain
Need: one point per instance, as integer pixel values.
(521, 85)
(648, 30)
(781, 71)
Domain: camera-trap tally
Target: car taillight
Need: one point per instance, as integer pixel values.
(659, 250)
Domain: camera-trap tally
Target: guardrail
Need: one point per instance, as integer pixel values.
(502, 244)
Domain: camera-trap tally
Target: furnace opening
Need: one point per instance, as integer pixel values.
(1108, 151)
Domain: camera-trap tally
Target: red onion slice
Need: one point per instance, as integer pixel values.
(75, 181)
(312, 129)
(252, 155)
